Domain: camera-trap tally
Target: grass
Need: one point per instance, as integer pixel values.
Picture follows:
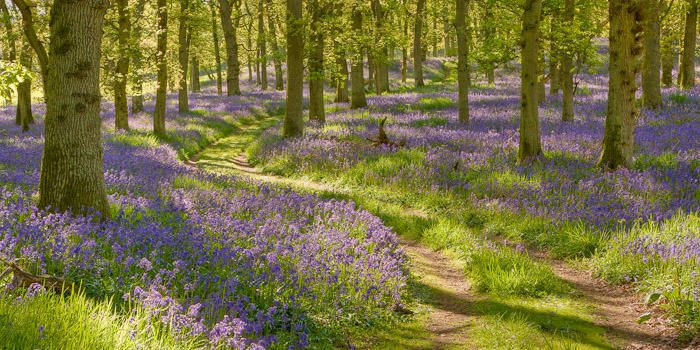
(48, 321)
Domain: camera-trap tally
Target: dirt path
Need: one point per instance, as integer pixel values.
(452, 315)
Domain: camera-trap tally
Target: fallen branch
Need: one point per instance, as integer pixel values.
(382, 139)
(23, 279)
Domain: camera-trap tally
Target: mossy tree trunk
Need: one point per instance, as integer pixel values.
(567, 66)
(72, 168)
(618, 140)
(417, 45)
(196, 84)
(262, 43)
(686, 71)
(121, 107)
(294, 113)
(530, 145)
(462, 60)
(183, 57)
(232, 63)
(24, 91)
(358, 99)
(137, 59)
(162, 68)
(651, 63)
(667, 54)
(316, 71)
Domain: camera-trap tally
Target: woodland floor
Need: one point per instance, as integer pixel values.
(452, 310)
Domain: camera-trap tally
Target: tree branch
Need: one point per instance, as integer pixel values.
(28, 25)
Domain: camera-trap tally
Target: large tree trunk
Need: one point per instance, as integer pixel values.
(217, 50)
(651, 64)
(183, 57)
(262, 42)
(316, 74)
(417, 50)
(357, 74)
(381, 62)
(462, 60)
(618, 140)
(276, 55)
(162, 67)
(72, 167)
(137, 60)
(530, 145)
(667, 61)
(121, 106)
(232, 65)
(294, 113)
(567, 67)
(687, 70)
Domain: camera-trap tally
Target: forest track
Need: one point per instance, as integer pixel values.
(452, 315)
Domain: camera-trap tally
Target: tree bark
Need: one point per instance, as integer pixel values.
(294, 113)
(417, 50)
(276, 55)
(217, 50)
(316, 73)
(162, 67)
(262, 42)
(72, 168)
(567, 67)
(183, 57)
(121, 107)
(541, 92)
(667, 61)
(370, 70)
(553, 60)
(618, 140)
(651, 64)
(137, 60)
(530, 145)
(24, 92)
(359, 99)
(381, 62)
(687, 70)
(232, 64)
(196, 84)
(341, 92)
(462, 60)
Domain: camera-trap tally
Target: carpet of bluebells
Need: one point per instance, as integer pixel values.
(475, 165)
(228, 261)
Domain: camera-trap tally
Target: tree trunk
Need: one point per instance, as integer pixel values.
(553, 60)
(687, 69)
(488, 37)
(417, 53)
(370, 70)
(341, 92)
(137, 59)
(357, 74)
(217, 52)
(262, 42)
(121, 107)
(529, 119)
(618, 140)
(294, 114)
(381, 62)
(232, 65)
(279, 79)
(162, 67)
(404, 54)
(541, 93)
(183, 57)
(567, 66)
(651, 64)
(462, 60)
(316, 73)
(24, 92)
(194, 73)
(446, 30)
(667, 61)
(72, 167)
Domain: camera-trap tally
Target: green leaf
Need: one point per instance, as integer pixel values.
(644, 317)
(651, 298)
